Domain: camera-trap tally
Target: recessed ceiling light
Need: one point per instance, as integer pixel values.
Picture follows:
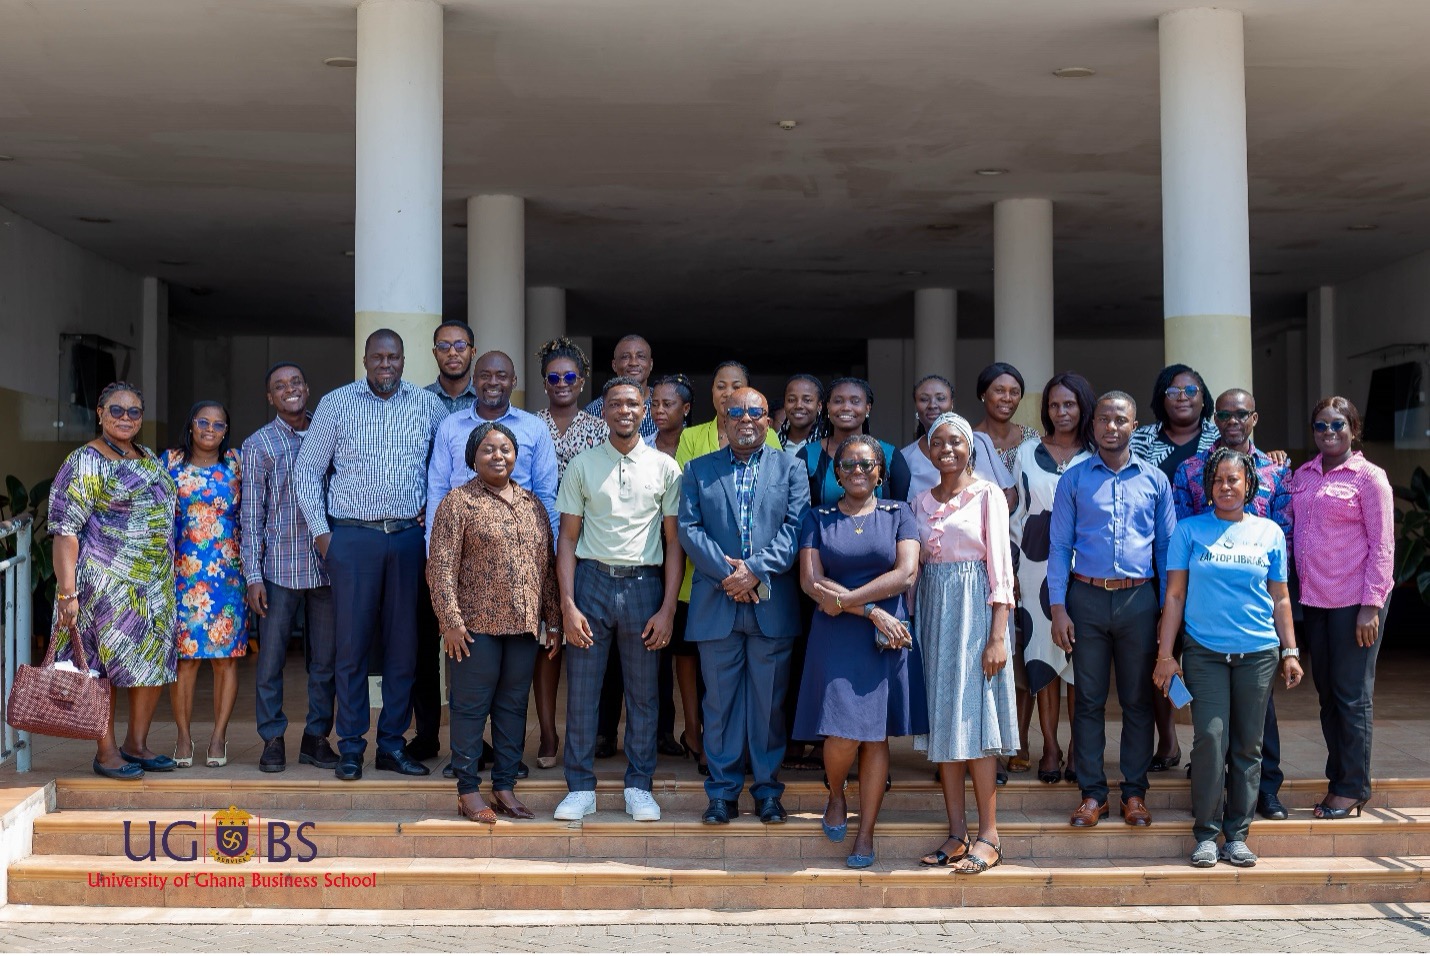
(1074, 72)
(913, 272)
(1363, 227)
(787, 125)
(173, 262)
(341, 62)
(991, 171)
(98, 220)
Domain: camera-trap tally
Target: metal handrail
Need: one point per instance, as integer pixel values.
(15, 634)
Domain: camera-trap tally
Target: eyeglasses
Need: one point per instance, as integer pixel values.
(205, 425)
(1339, 425)
(133, 412)
(851, 465)
(753, 411)
(1227, 414)
(562, 378)
(1191, 391)
(445, 347)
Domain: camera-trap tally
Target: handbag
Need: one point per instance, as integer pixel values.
(60, 703)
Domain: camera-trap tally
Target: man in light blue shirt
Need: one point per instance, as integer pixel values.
(1112, 522)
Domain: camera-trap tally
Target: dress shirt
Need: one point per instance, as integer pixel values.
(648, 428)
(1345, 541)
(275, 542)
(465, 399)
(1108, 524)
(621, 500)
(970, 526)
(704, 438)
(1273, 493)
(535, 470)
(747, 472)
(492, 569)
(378, 450)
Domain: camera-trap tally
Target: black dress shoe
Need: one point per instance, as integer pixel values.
(449, 771)
(349, 767)
(315, 751)
(397, 761)
(275, 757)
(771, 810)
(604, 748)
(1270, 806)
(720, 811)
(419, 748)
(667, 746)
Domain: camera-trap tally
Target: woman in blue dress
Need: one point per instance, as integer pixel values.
(862, 683)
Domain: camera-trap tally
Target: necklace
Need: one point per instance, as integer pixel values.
(859, 524)
(113, 447)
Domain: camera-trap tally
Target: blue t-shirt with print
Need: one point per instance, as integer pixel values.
(1229, 609)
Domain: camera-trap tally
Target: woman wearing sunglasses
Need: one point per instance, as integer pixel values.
(112, 517)
(1344, 550)
(213, 618)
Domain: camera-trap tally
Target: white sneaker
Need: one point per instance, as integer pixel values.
(641, 805)
(577, 804)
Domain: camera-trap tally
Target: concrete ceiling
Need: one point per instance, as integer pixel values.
(642, 133)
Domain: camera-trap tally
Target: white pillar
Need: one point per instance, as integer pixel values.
(398, 219)
(496, 279)
(1320, 344)
(1206, 266)
(1023, 296)
(935, 332)
(154, 360)
(545, 320)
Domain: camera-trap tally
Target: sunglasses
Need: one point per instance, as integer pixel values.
(445, 347)
(133, 412)
(205, 425)
(1191, 391)
(1339, 425)
(562, 378)
(1240, 414)
(753, 411)
(851, 465)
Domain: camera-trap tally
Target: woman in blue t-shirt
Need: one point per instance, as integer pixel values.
(1226, 574)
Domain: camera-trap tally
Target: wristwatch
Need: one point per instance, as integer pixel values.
(870, 608)
(1290, 652)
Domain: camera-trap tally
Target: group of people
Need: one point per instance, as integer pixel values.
(810, 590)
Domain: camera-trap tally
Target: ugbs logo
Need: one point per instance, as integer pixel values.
(234, 838)
(231, 834)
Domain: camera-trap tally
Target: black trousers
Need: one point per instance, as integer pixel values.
(427, 682)
(1344, 673)
(495, 681)
(1113, 630)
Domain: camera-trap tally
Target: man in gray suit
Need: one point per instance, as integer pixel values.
(740, 512)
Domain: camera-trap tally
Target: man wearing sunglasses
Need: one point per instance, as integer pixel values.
(453, 348)
(740, 512)
(1236, 419)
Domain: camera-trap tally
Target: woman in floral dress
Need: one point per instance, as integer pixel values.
(213, 620)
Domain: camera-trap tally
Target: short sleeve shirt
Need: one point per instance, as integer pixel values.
(621, 500)
(1229, 609)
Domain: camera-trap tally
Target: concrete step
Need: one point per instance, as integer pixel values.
(901, 835)
(368, 882)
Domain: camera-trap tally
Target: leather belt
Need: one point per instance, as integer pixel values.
(386, 525)
(624, 570)
(1111, 584)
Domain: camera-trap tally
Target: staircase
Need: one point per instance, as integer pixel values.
(394, 843)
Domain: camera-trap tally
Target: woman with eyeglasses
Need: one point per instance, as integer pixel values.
(111, 513)
(1345, 554)
(213, 618)
(861, 682)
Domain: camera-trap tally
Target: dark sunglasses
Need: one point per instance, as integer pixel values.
(738, 413)
(562, 378)
(851, 465)
(1339, 425)
(133, 412)
(445, 347)
(1191, 391)
(1226, 415)
(207, 425)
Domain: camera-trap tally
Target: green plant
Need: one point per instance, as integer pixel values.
(1412, 534)
(16, 502)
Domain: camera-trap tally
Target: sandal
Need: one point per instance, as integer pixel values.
(801, 762)
(1017, 764)
(517, 812)
(485, 815)
(940, 858)
(976, 864)
(1160, 764)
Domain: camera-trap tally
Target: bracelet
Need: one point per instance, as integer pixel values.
(838, 603)
(66, 597)
(1172, 659)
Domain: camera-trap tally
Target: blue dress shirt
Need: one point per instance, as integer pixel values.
(1110, 524)
(536, 465)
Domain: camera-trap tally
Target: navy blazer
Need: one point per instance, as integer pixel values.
(709, 531)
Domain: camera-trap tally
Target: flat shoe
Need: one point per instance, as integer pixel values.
(484, 815)
(1019, 765)
(859, 861)
(974, 865)
(834, 834)
(940, 858)
(130, 771)
(159, 764)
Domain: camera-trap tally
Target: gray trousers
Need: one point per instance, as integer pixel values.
(746, 676)
(274, 630)
(1229, 694)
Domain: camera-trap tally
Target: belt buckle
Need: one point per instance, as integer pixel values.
(1107, 584)
(387, 524)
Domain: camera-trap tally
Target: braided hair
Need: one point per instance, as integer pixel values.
(114, 388)
(1214, 460)
(563, 347)
(819, 428)
(684, 388)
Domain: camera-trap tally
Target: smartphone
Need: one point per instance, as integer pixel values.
(1177, 692)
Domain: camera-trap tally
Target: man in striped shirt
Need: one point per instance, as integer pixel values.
(376, 435)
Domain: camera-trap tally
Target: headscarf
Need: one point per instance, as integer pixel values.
(960, 425)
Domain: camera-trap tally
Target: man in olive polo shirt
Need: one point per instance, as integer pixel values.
(619, 566)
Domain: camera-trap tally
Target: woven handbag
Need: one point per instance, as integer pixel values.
(56, 703)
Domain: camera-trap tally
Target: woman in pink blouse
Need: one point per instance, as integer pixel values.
(965, 594)
(1344, 555)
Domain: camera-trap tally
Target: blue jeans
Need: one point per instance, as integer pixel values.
(274, 631)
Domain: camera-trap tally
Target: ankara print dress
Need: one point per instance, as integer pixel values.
(213, 619)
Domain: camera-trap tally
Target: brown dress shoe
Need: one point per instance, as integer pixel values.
(1135, 813)
(1089, 812)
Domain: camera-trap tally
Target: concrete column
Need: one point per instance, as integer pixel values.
(889, 363)
(398, 219)
(1320, 344)
(154, 361)
(1206, 266)
(496, 279)
(1023, 295)
(546, 320)
(935, 332)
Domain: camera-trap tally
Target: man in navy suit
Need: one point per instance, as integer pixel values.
(740, 512)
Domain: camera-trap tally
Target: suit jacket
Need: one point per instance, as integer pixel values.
(710, 530)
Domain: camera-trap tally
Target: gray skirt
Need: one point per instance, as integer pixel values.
(970, 716)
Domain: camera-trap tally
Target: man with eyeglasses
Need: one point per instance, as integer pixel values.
(740, 512)
(453, 348)
(632, 360)
(1236, 419)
